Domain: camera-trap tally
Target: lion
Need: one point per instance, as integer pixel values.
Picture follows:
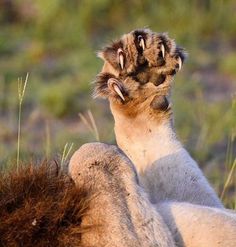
(146, 192)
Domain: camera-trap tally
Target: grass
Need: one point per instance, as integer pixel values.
(228, 180)
(90, 124)
(65, 155)
(21, 93)
(230, 165)
(67, 148)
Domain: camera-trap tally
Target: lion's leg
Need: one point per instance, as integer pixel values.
(139, 96)
(199, 226)
(119, 212)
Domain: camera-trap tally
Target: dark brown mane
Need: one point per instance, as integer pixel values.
(39, 206)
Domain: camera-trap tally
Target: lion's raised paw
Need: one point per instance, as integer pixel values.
(138, 58)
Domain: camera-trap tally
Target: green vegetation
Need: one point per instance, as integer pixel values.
(56, 42)
(21, 93)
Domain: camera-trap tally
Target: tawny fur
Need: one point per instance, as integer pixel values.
(121, 210)
(199, 226)
(124, 216)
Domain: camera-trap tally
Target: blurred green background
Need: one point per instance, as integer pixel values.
(56, 42)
